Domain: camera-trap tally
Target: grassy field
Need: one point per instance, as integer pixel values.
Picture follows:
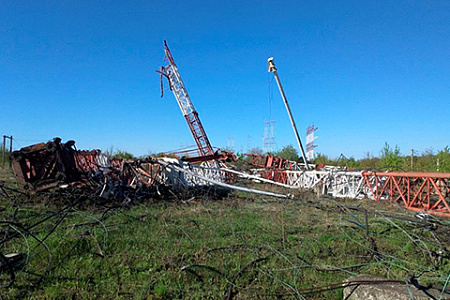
(241, 246)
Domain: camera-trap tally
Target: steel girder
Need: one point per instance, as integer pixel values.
(334, 183)
(427, 192)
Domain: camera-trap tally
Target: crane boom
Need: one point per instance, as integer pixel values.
(185, 103)
(273, 69)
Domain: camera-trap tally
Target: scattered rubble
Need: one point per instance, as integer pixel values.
(55, 164)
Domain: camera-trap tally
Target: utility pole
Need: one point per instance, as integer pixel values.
(4, 149)
(412, 159)
(10, 149)
(274, 71)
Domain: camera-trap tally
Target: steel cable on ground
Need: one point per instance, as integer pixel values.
(390, 261)
(283, 254)
(25, 232)
(22, 231)
(297, 292)
(392, 257)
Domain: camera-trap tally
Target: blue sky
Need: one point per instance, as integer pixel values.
(364, 72)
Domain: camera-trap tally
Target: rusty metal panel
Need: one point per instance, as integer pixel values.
(44, 165)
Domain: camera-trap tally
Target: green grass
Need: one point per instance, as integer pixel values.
(240, 247)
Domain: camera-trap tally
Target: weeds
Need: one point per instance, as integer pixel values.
(235, 248)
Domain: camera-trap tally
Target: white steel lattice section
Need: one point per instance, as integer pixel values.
(334, 183)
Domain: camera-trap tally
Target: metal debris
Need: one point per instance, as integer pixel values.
(55, 164)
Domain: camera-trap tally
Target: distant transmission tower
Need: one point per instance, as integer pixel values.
(268, 138)
(231, 142)
(310, 138)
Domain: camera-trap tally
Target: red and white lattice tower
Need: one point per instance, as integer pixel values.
(310, 138)
(184, 101)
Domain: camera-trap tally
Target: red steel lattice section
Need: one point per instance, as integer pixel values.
(426, 192)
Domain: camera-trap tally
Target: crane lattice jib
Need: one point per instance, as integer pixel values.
(186, 106)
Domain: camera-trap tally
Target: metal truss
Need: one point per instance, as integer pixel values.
(55, 164)
(184, 102)
(426, 192)
(331, 182)
(334, 183)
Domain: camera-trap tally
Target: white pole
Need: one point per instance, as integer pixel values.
(274, 71)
